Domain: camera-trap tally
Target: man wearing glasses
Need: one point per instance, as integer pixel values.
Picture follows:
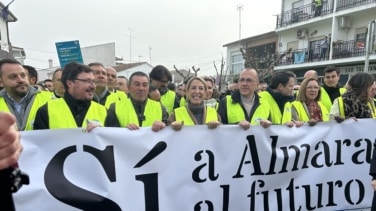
(160, 77)
(244, 107)
(76, 108)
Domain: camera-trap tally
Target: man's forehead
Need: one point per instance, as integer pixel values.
(98, 68)
(140, 79)
(13, 67)
(111, 71)
(330, 73)
(249, 73)
(83, 74)
(121, 80)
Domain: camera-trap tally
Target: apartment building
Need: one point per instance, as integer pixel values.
(302, 28)
(257, 51)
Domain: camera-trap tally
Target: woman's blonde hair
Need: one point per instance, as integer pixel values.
(195, 78)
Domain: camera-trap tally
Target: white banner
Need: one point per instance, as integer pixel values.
(324, 167)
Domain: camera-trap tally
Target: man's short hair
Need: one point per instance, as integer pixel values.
(332, 68)
(47, 80)
(121, 76)
(32, 72)
(72, 70)
(160, 72)
(282, 77)
(152, 88)
(171, 86)
(95, 64)
(8, 61)
(138, 73)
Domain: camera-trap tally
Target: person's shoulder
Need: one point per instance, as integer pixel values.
(97, 105)
(153, 102)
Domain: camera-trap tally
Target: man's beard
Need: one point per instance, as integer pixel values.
(163, 90)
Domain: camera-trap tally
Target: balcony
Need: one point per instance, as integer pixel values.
(348, 49)
(341, 49)
(301, 14)
(300, 56)
(347, 4)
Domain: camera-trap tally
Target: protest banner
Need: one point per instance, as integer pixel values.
(324, 167)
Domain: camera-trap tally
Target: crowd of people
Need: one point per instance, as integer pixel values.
(92, 95)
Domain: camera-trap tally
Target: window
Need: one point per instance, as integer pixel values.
(360, 37)
(360, 40)
(236, 64)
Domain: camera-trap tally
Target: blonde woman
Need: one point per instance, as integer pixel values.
(195, 112)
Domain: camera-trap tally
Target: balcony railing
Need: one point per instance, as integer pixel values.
(348, 49)
(341, 49)
(347, 4)
(301, 14)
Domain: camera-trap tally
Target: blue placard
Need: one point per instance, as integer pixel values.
(69, 51)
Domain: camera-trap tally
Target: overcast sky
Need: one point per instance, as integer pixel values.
(180, 32)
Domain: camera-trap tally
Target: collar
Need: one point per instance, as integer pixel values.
(73, 101)
(138, 103)
(31, 91)
(103, 94)
(246, 100)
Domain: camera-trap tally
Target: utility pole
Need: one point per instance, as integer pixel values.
(130, 44)
(150, 53)
(370, 41)
(240, 8)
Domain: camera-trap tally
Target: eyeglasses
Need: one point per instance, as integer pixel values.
(313, 87)
(246, 80)
(86, 81)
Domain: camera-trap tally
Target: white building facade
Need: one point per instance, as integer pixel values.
(102, 53)
(127, 69)
(302, 27)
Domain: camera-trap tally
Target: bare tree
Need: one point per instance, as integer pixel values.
(194, 70)
(263, 64)
(220, 73)
(181, 74)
